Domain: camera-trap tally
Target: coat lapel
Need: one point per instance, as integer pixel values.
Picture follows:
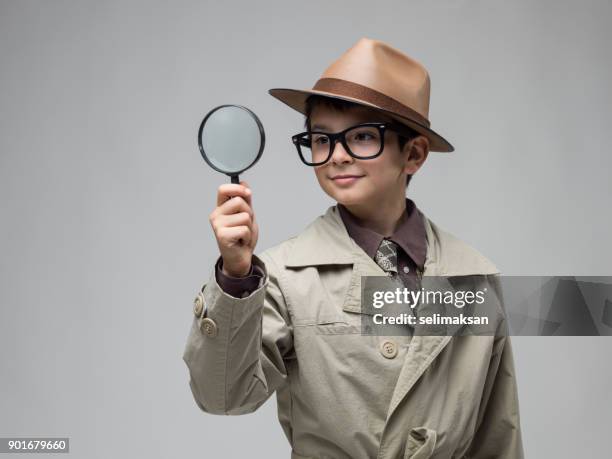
(327, 242)
(446, 257)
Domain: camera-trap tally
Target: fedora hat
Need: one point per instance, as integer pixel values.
(373, 74)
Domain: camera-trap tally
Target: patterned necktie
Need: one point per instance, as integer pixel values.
(386, 256)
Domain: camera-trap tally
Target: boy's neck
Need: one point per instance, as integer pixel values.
(383, 218)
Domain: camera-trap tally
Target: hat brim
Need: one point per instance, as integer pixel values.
(296, 98)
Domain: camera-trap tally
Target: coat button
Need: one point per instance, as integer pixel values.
(406, 269)
(208, 327)
(388, 349)
(198, 304)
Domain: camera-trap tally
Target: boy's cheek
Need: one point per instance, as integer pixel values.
(320, 178)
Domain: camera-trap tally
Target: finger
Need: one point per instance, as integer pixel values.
(229, 190)
(227, 193)
(232, 234)
(235, 205)
(238, 219)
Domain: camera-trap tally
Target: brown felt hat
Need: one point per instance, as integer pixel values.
(376, 75)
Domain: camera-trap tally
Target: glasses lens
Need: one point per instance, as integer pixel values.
(314, 147)
(364, 141)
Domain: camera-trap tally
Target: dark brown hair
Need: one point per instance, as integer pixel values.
(340, 105)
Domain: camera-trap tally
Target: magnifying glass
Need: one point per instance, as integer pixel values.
(231, 139)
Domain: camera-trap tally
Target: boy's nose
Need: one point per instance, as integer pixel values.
(339, 154)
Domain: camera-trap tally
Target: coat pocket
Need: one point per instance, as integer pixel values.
(334, 327)
(420, 443)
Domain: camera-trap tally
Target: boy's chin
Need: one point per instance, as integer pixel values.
(348, 197)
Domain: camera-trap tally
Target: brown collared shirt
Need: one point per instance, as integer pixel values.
(409, 236)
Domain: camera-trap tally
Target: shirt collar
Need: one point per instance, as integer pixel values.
(410, 234)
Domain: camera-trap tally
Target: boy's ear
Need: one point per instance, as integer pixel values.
(416, 151)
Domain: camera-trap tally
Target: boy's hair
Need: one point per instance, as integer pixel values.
(341, 105)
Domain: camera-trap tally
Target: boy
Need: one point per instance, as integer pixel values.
(288, 320)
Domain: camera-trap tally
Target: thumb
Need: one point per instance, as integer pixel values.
(248, 198)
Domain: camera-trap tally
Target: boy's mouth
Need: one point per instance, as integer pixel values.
(345, 179)
(345, 175)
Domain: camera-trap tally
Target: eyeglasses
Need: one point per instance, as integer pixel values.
(364, 141)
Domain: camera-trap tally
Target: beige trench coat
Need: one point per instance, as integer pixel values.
(338, 394)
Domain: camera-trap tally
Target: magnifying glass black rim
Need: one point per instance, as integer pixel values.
(261, 145)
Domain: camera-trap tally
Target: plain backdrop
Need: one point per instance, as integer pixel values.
(104, 197)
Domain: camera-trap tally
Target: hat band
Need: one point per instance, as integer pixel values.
(357, 91)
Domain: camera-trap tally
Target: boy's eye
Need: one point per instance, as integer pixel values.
(320, 140)
(364, 136)
(304, 141)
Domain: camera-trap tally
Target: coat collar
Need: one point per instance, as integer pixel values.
(325, 241)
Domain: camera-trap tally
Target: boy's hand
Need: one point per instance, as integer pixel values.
(234, 225)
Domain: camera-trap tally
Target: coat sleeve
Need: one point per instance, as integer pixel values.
(498, 432)
(236, 369)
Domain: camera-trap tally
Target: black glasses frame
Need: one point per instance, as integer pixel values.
(300, 140)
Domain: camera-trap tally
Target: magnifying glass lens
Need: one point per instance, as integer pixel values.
(231, 139)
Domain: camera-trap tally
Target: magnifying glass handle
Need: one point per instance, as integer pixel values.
(236, 179)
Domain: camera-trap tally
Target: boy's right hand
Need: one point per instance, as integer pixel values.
(235, 228)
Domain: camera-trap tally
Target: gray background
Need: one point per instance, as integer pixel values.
(105, 200)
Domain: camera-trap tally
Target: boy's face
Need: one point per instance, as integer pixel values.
(378, 180)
